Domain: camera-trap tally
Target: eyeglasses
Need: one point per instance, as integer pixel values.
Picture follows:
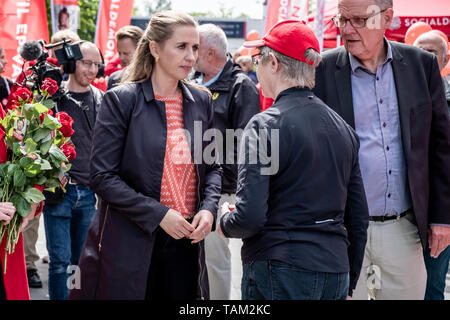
(255, 60)
(89, 63)
(356, 23)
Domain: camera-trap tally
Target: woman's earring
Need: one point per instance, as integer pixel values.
(156, 59)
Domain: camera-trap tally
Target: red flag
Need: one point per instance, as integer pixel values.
(21, 20)
(279, 10)
(112, 15)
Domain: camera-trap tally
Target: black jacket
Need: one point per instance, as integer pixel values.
(312, 211)
(114, 79)
(126, 172)
(235, 101)
(424, 123)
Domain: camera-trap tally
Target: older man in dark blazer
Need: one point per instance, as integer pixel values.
(392, 95)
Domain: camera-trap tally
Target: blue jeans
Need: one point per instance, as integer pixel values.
(436, 273)
(274, 280)
(66, 227)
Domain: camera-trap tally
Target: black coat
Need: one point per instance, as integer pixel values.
(126, 172)
(311, 211)
(424, 123)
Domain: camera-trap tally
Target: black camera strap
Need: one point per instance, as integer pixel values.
(84, 108)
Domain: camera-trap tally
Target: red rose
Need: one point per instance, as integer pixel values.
(50, 86)
(42, 116)
(69, 151)
(12, 103)
(67, 123)
(23, 94)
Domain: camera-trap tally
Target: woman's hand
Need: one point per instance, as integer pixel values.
(202, 223)
(7, 211)
(175, 225)
(30, 216)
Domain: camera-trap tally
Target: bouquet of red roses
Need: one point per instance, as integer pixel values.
(39, 150)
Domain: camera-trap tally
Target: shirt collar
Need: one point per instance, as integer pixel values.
(210, 82)
(355, 64)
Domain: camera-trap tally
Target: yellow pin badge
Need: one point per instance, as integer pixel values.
(215, 95)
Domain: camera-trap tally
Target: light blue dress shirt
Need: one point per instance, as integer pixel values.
(377, 123)
(210, 82)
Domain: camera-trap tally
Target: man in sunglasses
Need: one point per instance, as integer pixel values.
(392, 94)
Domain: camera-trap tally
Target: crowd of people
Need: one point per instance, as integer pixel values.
(336, 176)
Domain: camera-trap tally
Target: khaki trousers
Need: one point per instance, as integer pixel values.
(393, 266)
(30, 237)
(218, 259)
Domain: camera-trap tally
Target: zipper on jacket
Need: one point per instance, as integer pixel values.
(103, 229)
(198, 186)
(202, 297)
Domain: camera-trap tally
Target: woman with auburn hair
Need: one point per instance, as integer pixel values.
(155, 204)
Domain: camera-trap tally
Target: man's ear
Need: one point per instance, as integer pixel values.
(274, 63)
(211, 54)
(388, 17)
(446, 58)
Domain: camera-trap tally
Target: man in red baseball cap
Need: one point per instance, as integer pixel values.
(303, 216)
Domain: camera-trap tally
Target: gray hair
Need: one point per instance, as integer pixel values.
(429, 36)
(385, 3)
(214, 37)
(294, 71)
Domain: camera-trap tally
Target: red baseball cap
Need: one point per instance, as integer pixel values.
(289, 37)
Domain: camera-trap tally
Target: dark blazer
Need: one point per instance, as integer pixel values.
(424, 123)
(126, 172)
(114, 79)
(311, 212)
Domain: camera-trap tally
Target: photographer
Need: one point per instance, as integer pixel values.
(67, 216)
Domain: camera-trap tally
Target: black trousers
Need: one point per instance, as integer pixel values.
(174, 269)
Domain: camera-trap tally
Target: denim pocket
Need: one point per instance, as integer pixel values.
(292, 283)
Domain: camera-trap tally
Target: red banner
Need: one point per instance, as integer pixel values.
(112, 15)
(279, 10)
(20, 21)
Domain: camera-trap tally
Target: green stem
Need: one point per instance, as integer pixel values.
(5, 193)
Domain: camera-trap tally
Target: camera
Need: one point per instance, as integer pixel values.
(67, 57)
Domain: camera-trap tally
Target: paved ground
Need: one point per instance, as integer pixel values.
(235, 245)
